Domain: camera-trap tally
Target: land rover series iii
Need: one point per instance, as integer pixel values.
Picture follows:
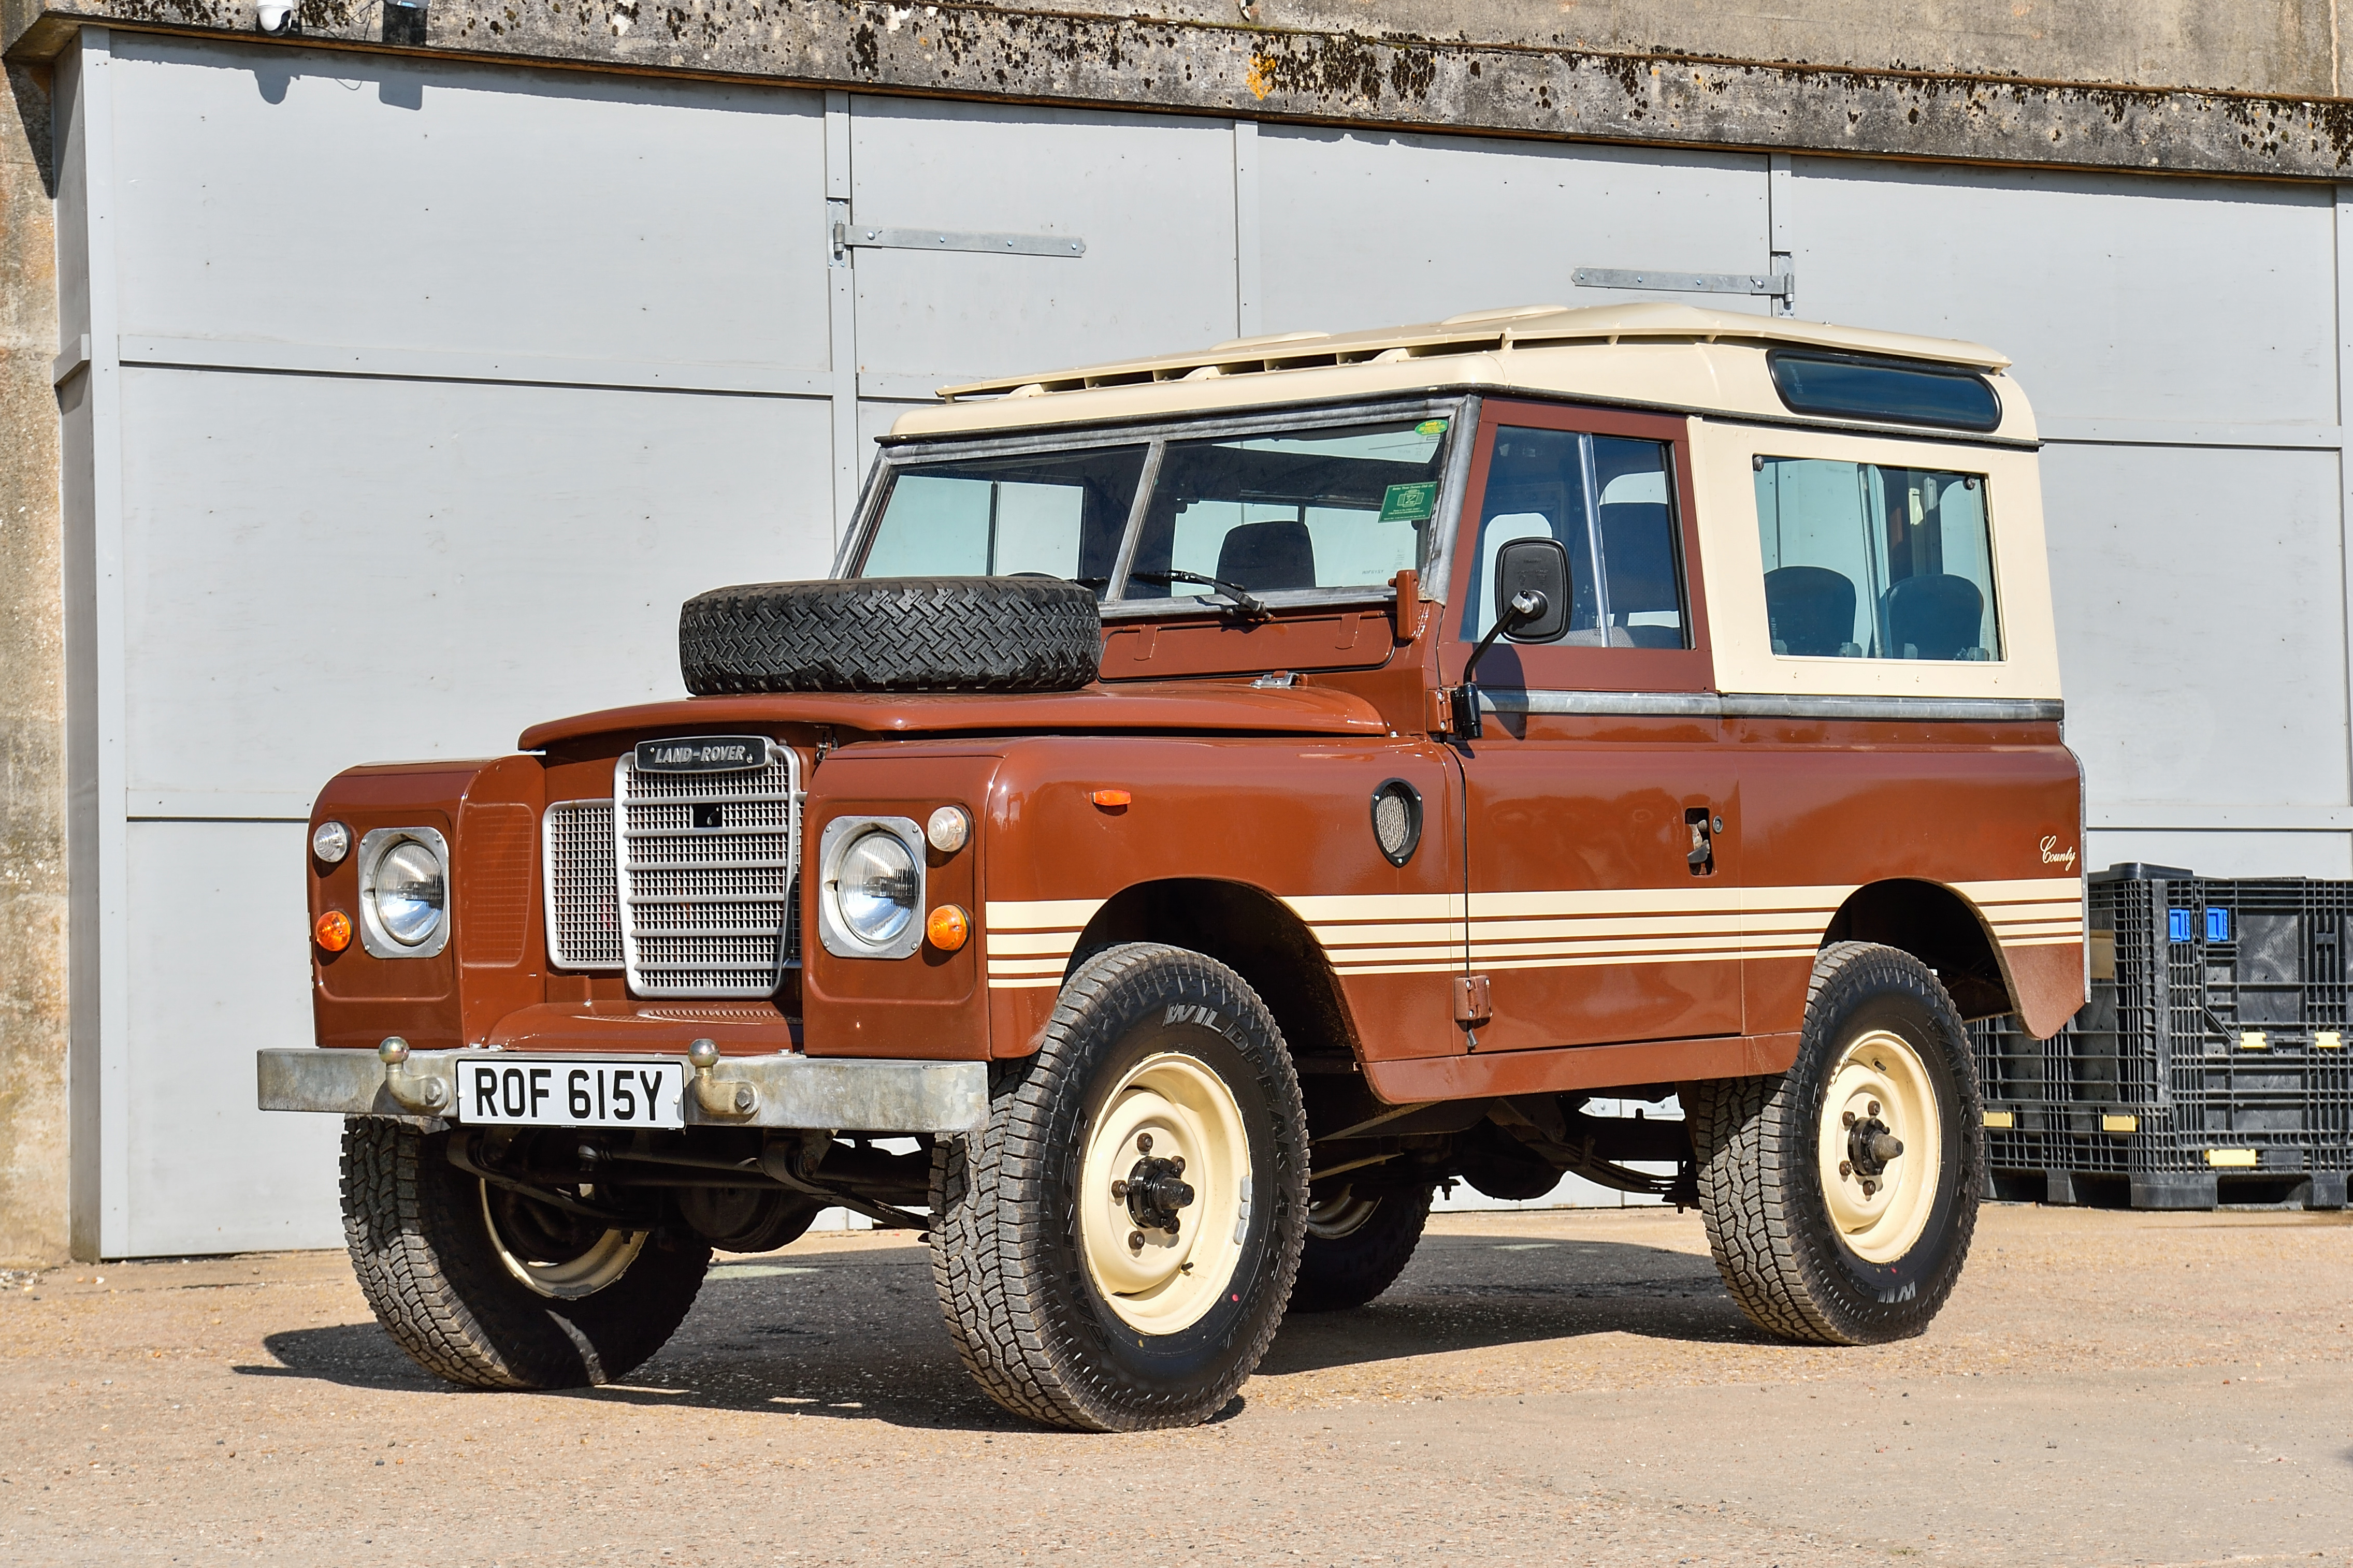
(1217, 801)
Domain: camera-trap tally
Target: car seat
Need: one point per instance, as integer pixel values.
(1936, 616)
(1811, 610)
(1268, 557)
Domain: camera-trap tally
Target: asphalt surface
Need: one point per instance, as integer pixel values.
(1553, 1388)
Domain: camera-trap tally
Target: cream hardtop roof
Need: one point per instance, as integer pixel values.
(1712, 362)
(1519, 326)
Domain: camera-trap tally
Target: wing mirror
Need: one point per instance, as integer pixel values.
(1531, 605)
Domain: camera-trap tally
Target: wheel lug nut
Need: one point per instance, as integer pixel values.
(1846, 1168)
(1119, 1189)
(1848, 1120)
(1172, 1225)
(1874, 1108)
(1870, 1188)
(1135, 1241)
(1144, 1140)
(1177, 1165)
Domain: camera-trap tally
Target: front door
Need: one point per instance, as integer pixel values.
(1602, 831)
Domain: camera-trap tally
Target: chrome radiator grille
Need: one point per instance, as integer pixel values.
(708, 876)
(583, 917)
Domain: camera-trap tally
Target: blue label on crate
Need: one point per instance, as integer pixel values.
(2177, 925)
(2218, 925)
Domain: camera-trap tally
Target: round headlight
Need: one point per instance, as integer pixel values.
(331, 841)
(877, 888)
(410, 892)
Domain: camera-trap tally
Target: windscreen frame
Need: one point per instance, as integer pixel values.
(1459, 409)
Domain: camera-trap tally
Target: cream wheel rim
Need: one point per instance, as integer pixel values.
(607, 1259)
(1880, 1088)
(1166, 1107)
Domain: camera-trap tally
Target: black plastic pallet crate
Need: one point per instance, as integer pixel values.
(2211, 1061)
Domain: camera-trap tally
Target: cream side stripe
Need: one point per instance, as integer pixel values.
(1317, 910)
(1050, 982)
(1024, 942)
(2010, 892)
(1053, 915)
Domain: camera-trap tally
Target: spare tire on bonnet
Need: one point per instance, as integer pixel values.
(892, 634)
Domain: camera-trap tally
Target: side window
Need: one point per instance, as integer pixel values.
(1867, 562)
(1610, 500)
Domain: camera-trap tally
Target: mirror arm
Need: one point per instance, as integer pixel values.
(1463, 700)
(1526, 607)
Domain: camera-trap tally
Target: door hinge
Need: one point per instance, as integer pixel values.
(1773, 283)
(1470, 1003)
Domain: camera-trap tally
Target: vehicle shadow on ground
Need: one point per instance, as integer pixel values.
(858, 1336)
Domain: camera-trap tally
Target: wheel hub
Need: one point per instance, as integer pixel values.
(1156, 1191)
(1869, 1145)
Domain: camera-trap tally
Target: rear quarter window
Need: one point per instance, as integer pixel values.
(1870, 560)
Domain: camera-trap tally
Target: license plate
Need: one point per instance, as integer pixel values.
(540, 1093)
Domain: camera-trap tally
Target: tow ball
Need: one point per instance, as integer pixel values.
(719, 1097)
(424, 1093)
(1154, 1190)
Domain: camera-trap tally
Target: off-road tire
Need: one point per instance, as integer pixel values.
(1339, 1272)
(1760, 1182)
(1027, 1317)
(892, 634)
(433, 1276)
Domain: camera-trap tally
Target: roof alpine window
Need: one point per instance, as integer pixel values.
(1888, 390)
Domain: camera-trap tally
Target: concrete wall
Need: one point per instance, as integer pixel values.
(2168, 84)
(33, 902)
(2250, 46)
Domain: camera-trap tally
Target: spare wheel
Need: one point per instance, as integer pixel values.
(892, 634)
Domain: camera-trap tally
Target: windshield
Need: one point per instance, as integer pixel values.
(1346, 505)
(1057, 514)
(1342, 508)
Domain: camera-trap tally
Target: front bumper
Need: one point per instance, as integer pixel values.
(840, 1093)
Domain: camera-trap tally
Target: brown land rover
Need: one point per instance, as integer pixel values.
(1217, 801)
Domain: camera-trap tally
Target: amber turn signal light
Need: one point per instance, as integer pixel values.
(947, 928)
(1112, 799)
(334, 930)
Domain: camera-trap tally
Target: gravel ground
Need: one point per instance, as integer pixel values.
(1540, 1387)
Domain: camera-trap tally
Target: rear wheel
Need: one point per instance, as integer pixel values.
(492, 1288)
(1113, 1250)
(1840, 1195)
(1358, 1244)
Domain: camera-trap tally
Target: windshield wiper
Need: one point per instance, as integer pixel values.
(1248, 603)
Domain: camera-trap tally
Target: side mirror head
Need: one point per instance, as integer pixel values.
(1540, 565)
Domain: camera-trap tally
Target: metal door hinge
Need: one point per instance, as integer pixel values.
(849, 236)
(1470, 1003)
(1776, 283)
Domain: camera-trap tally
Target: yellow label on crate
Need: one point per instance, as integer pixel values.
(2328, 1040)
(2251, 1040)
(2000, 1119)
(2119, 1124)
(2231, 1159)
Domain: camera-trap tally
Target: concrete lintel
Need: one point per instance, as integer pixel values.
(1395, 82)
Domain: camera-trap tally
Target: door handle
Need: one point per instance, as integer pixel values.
(1702, 825)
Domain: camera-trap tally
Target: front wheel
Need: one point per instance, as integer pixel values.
(1113, 1250)
(492, 1289)
(1840, 1195)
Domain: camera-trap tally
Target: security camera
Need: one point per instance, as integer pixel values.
(274, 15)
